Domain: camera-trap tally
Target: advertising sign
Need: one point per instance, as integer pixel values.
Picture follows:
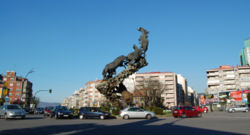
(203, 100)
(236, 95)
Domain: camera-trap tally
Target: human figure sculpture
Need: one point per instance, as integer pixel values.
(110, 69)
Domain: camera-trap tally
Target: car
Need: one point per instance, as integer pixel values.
(92, 112)
(39, 111)
(201, 109)
(186, 111)
(136, 112)
(12, 111)
(240, 108)
(48, 111)
(61, 112)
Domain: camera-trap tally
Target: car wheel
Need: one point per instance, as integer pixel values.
(126, 117)
(148, 116)
(23, 117)
(82, 117)
(56, 116)
(184, 115)
(102, 117)
(233, 110)
(246, 110)
(199, 114)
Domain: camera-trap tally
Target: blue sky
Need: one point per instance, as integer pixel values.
(68, 42)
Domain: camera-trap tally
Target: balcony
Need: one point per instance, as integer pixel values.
(213, 82)
(244, 71)
(213, 74)
(229, 82)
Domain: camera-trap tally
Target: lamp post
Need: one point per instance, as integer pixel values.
(50, 91)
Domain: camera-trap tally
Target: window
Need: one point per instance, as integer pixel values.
(10, 94)
(11, 84)
(17, 94)
(11, 89)
(17, 89)
(18, 84)
(12, 79)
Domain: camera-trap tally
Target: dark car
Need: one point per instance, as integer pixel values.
(92, 112)
(48, 111)
(186, 111)
(39, 111)
(61, 112)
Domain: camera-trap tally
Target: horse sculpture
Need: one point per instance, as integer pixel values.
(110, 69)
(143, 40)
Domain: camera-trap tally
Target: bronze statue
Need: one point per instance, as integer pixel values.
(143, 39)
(110, 69)
(134, 56)
(112, 86)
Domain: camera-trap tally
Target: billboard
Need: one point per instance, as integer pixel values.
(236, 95)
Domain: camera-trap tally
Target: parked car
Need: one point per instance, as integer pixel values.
(92, 112)
(48, 111)
(12, 111)
(136, 112)
(39, 111)
(186, 111)
(201, 109)
(241, 108)
(61, 112)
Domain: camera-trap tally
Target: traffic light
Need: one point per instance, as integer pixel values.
(50, 91)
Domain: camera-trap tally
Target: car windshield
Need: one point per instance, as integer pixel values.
(13, 107)
(176, 108)
(61, 108)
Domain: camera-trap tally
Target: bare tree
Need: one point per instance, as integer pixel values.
(152, 90)
(127, 97)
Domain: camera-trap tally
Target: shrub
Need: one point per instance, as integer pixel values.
(158, 110)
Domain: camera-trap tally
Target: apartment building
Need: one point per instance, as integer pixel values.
(20, 89)
(88, 96)
(227, 78)
(168, 81)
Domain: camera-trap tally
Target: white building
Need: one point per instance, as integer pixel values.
(167, 79)
(88, 96)
(226, 79)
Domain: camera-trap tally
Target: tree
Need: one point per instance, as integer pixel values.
(35, 101)
(127, 97)
(152, 90)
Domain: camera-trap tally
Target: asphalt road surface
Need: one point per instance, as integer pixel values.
(215, 123)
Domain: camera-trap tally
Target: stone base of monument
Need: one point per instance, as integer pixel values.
(113, 87)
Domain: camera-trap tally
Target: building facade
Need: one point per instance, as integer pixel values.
(169, 92)
(245, 53)
(88, 96)
(20, 89)
(227, 78)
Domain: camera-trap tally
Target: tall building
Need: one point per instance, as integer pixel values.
(245, 53)
(182, 88)
(227, 78)
(20, 89)
(168, 81)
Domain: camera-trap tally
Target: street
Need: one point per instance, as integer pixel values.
(221, 123)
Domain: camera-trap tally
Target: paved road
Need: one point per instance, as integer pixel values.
(216, 123)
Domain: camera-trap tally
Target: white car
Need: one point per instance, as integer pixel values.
(238, 109)
(12, 111)
(136, 112)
